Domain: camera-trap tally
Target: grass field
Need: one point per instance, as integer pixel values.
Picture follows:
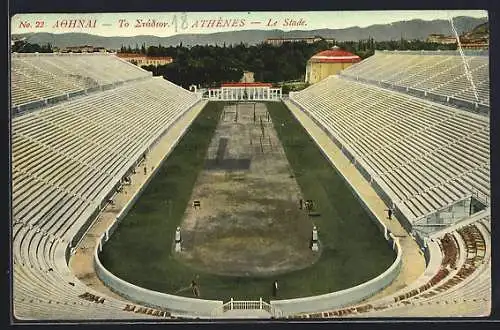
(353, 250)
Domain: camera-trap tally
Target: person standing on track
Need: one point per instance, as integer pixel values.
(275, 289)
(194, 287)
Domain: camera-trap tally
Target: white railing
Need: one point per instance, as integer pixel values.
(246, 305)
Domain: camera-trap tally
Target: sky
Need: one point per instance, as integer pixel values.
(169, 23)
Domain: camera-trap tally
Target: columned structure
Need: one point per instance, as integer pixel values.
(245, 91)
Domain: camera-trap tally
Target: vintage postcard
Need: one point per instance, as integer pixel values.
(314, 165)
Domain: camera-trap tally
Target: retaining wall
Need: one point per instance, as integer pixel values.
(152, 298)
(345, 297)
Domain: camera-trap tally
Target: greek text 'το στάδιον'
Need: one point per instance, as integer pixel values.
(150, 23)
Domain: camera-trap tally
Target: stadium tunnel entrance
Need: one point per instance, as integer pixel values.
(458, 211)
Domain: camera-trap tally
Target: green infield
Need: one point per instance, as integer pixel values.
(353, 249)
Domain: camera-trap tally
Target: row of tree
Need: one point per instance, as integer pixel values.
(366, 48)
(21, 46)
(209, 65)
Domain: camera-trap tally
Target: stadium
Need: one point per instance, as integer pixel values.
(366, 194)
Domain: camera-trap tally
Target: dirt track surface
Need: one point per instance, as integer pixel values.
(249, 222)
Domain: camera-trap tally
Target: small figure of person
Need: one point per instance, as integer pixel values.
(309, 205)
(300, 204)
(194, 287)
(275, 289)
(145, 170)
(389, 214)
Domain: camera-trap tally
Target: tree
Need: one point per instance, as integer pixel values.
(48, 48)
(209, 65)
(22, 46)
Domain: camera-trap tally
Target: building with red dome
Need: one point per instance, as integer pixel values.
(327, 63)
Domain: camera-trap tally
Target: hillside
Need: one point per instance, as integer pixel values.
(479, 32)
(413, 29)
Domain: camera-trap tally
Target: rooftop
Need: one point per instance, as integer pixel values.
(335, 55)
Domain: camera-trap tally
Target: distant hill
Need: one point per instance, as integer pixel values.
(412, 29)
(480, 31)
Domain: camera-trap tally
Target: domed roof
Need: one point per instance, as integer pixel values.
(335, 55)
